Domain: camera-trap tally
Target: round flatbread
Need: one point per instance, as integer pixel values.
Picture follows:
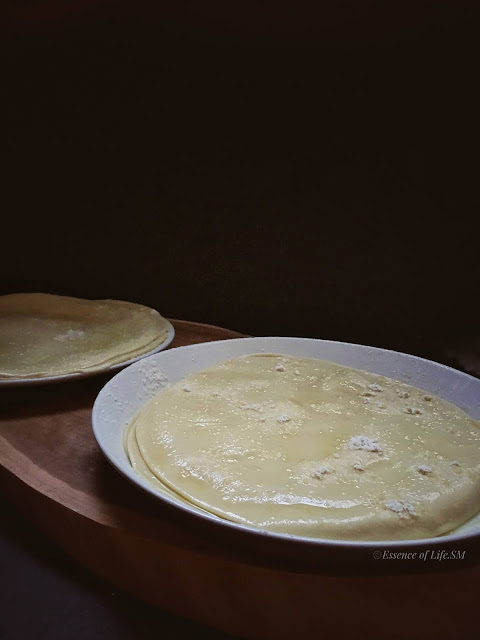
(47, 335)
(311, 448)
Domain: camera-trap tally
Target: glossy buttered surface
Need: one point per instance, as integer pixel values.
(307, 447)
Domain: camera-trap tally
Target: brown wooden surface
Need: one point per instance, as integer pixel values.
(56, 475)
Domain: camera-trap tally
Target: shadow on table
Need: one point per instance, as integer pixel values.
(65, 601)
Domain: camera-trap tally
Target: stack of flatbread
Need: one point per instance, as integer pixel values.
(311, 448)
(43, 335)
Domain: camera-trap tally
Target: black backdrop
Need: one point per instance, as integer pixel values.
(276, 172)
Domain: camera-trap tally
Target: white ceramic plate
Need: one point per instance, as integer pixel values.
(19, 382)
(128, 391)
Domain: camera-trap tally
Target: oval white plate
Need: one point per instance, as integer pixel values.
(128, 391)
(19, 382)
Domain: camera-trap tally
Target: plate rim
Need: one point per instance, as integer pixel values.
(316, 543)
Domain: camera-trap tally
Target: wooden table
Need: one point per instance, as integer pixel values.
(54, 472)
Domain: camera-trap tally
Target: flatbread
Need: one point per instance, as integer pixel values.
(47, 335)
(311, 448)
(139, 465)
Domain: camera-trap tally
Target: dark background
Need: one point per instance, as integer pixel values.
(278, 171)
